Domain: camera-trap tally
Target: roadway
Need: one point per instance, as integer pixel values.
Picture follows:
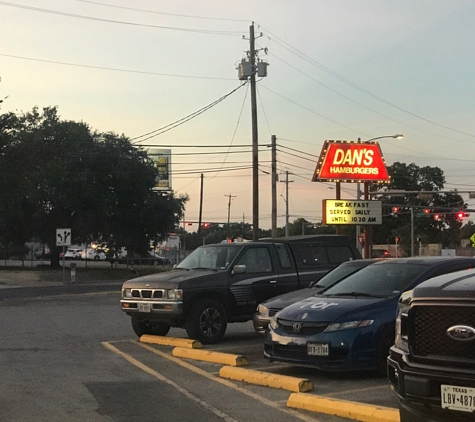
(75, 357)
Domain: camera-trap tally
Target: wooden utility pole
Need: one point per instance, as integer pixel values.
(274, 186)
(255, 157)
(229, 206)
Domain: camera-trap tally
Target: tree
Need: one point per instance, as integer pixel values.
(399, 209)
(60, 174)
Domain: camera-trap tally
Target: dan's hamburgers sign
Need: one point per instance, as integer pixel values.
(351, 161)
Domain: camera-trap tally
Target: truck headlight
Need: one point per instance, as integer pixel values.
(262, 309)
(127, 293)
(401, 340)
(175, 294)
(273, 323)
(348, 325)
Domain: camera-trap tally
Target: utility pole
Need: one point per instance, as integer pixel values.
(255, 158)
(201, 206)
(274, 186)
(229, 206)
(287, 181)
(247, 71)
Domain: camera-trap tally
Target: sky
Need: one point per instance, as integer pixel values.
(338, 69)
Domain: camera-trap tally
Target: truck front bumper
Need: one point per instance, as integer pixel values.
(418, 388)
(151, 307)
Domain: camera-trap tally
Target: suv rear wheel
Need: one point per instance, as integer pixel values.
(207, 322)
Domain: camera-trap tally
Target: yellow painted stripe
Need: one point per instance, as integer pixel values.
(209, 356)
(343, 408)
(171, 341)
(267, 379)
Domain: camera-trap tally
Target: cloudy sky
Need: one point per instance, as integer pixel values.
(338, 69)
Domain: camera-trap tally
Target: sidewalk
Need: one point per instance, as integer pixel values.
(17, 284)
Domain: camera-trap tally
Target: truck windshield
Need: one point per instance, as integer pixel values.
(216, 257)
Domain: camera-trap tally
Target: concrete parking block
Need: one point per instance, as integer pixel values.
(267, 379)
(209, 356)
(171, 341)
(343, 408)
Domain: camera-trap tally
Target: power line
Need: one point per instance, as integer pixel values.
(73, 15)
(114, 69)
(179, 122)
(162, 13)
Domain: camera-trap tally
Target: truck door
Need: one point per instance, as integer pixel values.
(253, 278)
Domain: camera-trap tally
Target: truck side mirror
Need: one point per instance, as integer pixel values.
(239, 269)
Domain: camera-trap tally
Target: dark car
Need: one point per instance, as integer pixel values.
(266, 310)
(431, 366)
(351, 325)
(150, 259)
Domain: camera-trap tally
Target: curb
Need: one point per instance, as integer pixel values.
(208, 356)
(266, 379)
(343, 408)
(171, 341)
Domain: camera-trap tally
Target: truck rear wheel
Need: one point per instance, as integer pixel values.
(206, 322)
(144, 326)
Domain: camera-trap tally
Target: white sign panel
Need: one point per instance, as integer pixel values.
(162, 159)
(63, 237)
(343, 211)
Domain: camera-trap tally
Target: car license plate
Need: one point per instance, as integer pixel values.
(457, 398)
(317, 349)
(144, 307)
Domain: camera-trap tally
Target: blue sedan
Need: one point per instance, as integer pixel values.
(351, 325)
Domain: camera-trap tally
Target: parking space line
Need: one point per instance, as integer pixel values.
(229, 384)
(159, 376)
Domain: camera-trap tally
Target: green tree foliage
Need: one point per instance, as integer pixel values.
(60, 174)
(397, 222)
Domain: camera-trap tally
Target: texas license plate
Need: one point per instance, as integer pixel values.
(317, 349)
(144, 307)
(457, 398)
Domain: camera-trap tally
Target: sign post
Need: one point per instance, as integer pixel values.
(63, 238)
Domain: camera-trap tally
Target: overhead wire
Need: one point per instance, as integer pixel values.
(74, 15)
(303, 56)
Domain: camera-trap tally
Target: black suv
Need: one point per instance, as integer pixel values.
(432, 363)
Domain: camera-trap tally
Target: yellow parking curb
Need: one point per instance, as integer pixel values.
(171, 341)
(209, 356)
(269, 380)
(343, 408)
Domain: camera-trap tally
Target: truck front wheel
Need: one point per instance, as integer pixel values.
(206, 322)
(144, 326)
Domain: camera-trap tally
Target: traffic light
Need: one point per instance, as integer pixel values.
(188, 224)
(462, 214)
(205, 225)
(395, 210)
(427, 211)
(437, 217)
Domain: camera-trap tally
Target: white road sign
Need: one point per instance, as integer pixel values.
(63, 237)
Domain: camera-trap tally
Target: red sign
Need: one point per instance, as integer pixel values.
(351, 161)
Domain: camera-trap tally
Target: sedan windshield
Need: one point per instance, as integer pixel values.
(383, 280)
(216, 257)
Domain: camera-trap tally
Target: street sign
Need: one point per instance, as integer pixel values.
(344, 211)
(63, 237)
(472, 239)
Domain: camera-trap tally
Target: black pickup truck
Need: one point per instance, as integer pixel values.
(432, 363)
(223, 283)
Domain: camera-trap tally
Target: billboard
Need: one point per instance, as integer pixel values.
(162, 160)
(351, 161)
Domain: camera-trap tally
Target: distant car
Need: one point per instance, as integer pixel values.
(151, 259)
(380, 253)
(43, 253)
(92, 254)
(350, 326)
(266, 310)
(72, 254)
